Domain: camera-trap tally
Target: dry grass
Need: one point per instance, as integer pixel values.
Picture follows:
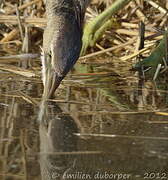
(22, 26)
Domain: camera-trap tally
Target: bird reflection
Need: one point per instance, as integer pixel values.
(57, 141)
(62, 42)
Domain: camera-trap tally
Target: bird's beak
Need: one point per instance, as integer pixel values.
(55, 81)
(51, 80)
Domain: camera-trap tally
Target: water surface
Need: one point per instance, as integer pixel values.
(103, 124)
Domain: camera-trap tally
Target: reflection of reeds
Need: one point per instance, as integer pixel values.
(14, 139)
(8, 130)
(123, 136)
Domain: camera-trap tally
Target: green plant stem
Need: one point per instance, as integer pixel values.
(93, 26)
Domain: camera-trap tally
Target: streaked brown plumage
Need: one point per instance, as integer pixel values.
(62, 40)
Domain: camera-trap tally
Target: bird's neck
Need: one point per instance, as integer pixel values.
(54, 7)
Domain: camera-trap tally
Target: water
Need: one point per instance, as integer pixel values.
(103, 124)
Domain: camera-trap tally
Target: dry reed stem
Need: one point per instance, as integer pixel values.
(125, 58)
(24, 6)
(17, 70)
(10, 36)
(108, 50)
(41, 22)
(19, 23)
(155, 5)
(138, 12)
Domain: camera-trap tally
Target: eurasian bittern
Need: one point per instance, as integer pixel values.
(62, 41)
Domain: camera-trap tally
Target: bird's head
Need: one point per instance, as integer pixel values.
(62, 43)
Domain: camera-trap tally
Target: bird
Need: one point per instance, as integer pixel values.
(62, 41)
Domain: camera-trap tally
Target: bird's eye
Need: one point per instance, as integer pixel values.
(49, 54)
